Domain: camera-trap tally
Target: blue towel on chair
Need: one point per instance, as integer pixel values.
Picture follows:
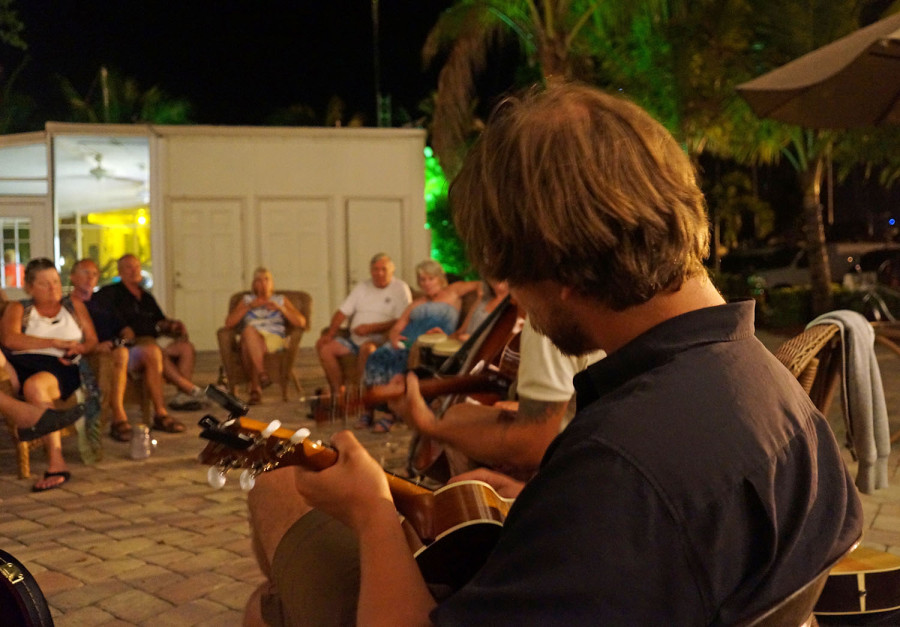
(865, 411)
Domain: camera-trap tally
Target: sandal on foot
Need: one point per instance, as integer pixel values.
(364, 422)
(264, 380)
(65, 474)
(120, 431)
(255, 397)
(51, 420)
(383, 425)
(167, 424)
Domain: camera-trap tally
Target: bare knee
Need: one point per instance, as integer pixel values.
(274, 505)
(146, 357)
(120, 357)
(178, 349)
(41, 388)
(333, 350)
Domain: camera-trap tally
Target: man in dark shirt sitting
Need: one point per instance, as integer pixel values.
(137, 307)
(697, 483)
(118, 339)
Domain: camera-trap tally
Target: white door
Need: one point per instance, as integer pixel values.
(26, 229)
(373, 226)
(294, 246)
(207, 263)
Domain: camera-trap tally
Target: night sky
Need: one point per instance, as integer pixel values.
(237, 62)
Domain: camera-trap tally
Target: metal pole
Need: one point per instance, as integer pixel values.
(376, 59)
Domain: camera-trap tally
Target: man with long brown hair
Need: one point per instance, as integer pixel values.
(697, 484)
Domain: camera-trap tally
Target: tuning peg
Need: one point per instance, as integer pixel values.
(269, 430)
(300, 435)
(248, 480)
(215, 477)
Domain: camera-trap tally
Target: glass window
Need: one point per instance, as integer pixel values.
(16, 251)
(102, 201)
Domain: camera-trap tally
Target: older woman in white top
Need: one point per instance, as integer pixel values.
(43, 338)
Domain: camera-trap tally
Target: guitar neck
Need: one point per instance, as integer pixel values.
(316, 456)
(430, 388)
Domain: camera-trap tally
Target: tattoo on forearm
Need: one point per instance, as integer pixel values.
(540, 411)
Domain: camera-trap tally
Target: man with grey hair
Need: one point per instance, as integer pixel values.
(372, 308)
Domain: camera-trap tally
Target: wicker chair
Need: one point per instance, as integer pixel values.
(348, 363)
(814, 357)
(280, 365)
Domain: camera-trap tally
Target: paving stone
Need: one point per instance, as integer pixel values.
(106, 569)
(233, 596)
(19, 527)
(87, 595)
(232, 618)
(243, 568)
(52, 582)
(163, 555)
(134, 606)
(120, 548)
(64, 557)
(82, 539)
(195, 586)
(84, 617)
(188, 614)
(206, 561)
(151, 578)
(49, 534)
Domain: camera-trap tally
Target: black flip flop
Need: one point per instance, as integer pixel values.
(51, 420)
(65, 474)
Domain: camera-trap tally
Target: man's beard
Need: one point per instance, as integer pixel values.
(565, 334)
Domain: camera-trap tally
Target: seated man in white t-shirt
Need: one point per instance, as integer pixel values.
(372, 308)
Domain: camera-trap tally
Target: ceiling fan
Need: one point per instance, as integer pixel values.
(98, 171)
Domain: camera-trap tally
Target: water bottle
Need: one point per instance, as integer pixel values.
(141, 443)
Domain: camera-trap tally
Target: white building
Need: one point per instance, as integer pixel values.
(202, 206)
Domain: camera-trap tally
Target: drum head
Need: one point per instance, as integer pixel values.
(446, 348)
(431, 339)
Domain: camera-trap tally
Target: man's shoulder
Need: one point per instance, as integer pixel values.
(111, 289)
(399, 285)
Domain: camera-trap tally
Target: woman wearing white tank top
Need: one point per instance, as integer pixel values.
(43, 339)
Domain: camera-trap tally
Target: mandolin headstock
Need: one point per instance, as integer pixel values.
(241, 443)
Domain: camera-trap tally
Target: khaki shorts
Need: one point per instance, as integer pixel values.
(274, 343)
(316, 573)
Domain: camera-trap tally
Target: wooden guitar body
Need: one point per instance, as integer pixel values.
(450, 531)
(864, 582)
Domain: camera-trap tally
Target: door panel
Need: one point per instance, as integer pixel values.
(207, 262)
(373, 226)
(294, 245)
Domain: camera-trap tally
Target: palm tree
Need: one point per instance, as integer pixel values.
(787, 30)
(551, 36)
(14, 107)
(702, 53)
(113, 98)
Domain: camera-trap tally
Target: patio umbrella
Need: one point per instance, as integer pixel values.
(851, 82)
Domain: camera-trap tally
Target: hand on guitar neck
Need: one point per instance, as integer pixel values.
(449, 531)
(410, 404)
